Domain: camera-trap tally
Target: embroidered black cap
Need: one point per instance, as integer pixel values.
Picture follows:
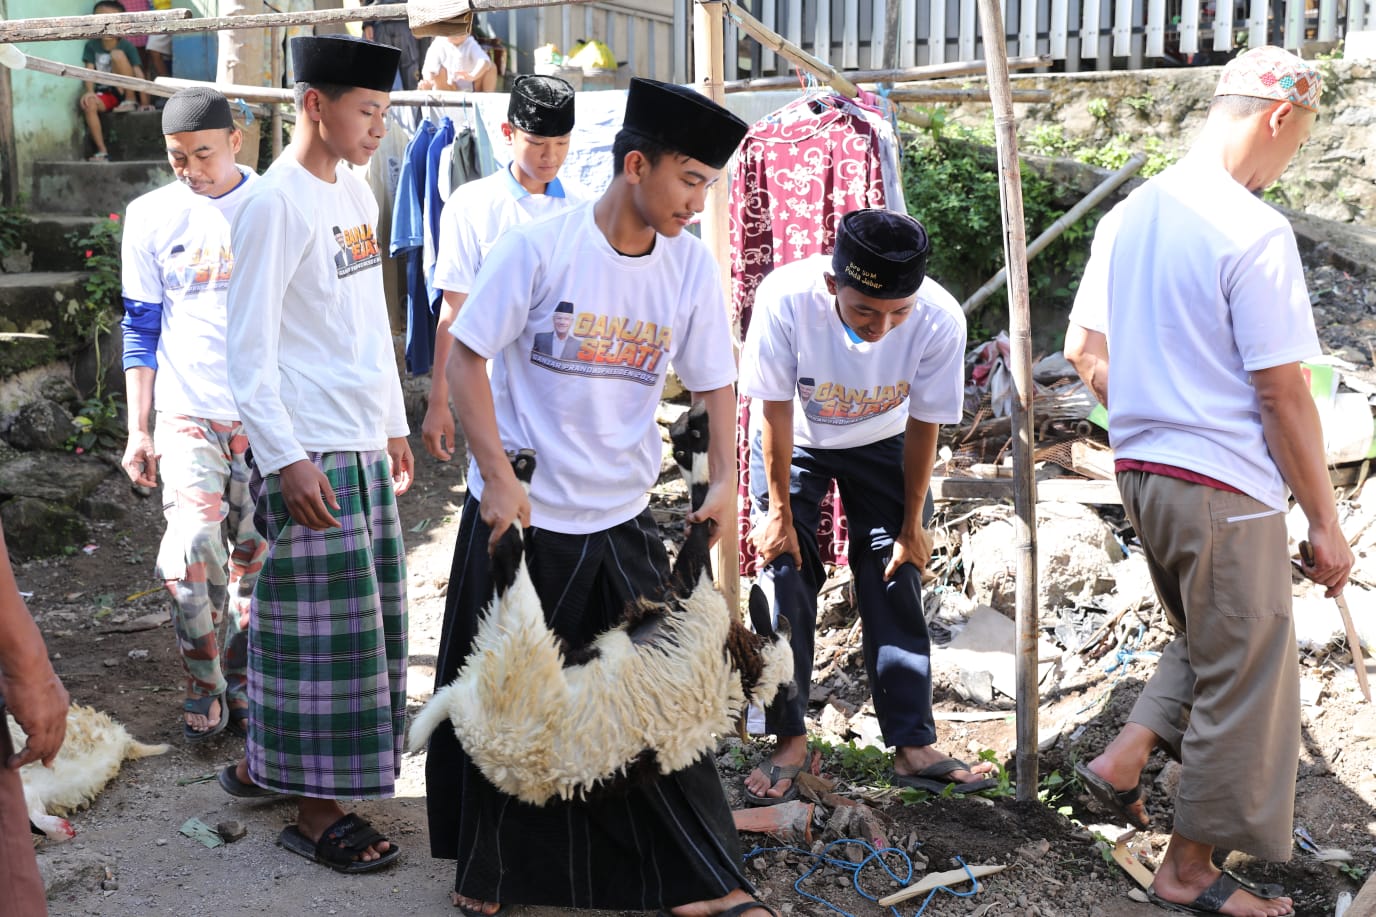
(684, 120)
(342, 60)
(881, 253)
(199, 108)
(541, 105)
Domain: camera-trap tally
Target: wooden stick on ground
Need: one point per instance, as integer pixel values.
(935, 880)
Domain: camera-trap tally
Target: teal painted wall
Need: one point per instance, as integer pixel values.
(46, 122)
(47, 125)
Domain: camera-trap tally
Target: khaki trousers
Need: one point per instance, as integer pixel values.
(19, 878)
(1225, 696)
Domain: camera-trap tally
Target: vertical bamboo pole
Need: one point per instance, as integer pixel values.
(278, 35)
(1024, 484)
(709, 58)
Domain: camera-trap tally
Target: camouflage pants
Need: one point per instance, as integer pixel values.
(211, 553)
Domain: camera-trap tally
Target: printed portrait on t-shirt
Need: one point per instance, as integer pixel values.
(358, 250)
(593, 345)
(806, 386)
(193, 270)
(558, 342)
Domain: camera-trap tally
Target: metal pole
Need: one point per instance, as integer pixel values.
(1024, 483)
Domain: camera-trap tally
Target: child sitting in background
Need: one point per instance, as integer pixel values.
(109, 54)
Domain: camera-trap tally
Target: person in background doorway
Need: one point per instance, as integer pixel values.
(108, 54)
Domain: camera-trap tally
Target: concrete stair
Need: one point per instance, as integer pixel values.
(85, 188)
(47, 238)
(133, 135)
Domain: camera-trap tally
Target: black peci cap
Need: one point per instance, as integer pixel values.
(541, 105)
(684, 120)
(199, 108)
(881, 253)
(342, 60)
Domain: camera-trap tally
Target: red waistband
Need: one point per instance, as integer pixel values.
(1171, 471)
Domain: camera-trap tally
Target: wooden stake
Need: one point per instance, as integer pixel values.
(709, 64)
(1024, 427)
(1067, 219)
(278, 35)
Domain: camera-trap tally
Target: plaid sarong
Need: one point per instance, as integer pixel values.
(327, 641)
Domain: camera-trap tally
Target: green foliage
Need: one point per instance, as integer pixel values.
(1142, 104)
(861, 764)
(99, 425)
(1352, 871)
(95, 314)
(13, 221)
(951, 184)
(1098, 109)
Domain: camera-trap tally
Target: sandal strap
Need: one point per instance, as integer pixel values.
(777, 772)
(200, 704)
(343, 841)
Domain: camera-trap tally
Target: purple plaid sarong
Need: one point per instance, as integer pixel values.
(327, 641)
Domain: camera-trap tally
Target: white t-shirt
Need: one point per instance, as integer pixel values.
(585, 401)
(176, 252)
(465, 57)
(857, 392)
(1203, 284)
(311, 360)
(478, 213)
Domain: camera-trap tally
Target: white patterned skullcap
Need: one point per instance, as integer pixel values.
(1272, 73)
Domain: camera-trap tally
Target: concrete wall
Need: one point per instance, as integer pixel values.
(47, 124)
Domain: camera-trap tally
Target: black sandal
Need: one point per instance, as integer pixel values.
(1112, 800)
(201, 707)
(341, 845)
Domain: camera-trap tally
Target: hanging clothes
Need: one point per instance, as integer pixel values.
(797, 172)
(408, 238)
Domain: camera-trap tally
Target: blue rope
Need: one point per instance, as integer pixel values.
(821, 860)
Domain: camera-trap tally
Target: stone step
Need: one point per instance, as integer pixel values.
(46, 237)
(132, 135)
(28, 301)
(94, 187)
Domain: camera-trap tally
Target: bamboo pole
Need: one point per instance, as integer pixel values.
(1024, 484)
(709, 64)
(1067, 220)
(805, 61)
(278, 35)
(894, 75)
(964, 95)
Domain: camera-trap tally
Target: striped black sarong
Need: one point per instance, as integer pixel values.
(327, 640)
(651, 845)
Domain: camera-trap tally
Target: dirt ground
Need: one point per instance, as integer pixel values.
(105, 621)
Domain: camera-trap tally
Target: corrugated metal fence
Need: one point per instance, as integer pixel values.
(1078, 34)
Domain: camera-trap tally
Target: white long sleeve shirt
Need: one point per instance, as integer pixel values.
(311, 361)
